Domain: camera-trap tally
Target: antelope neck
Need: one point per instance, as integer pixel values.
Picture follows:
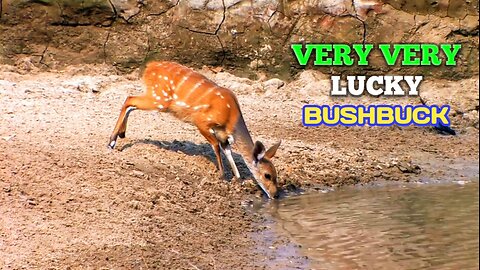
(244, 142)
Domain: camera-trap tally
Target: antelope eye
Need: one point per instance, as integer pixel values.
(268, 176)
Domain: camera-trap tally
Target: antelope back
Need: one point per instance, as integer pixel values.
(190, 96)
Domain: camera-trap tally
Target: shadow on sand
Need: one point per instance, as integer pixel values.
(192, 149)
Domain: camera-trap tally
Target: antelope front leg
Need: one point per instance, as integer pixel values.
(131, 103)
(228, 152)
(221, 172)
(204, 130)
(123, 126)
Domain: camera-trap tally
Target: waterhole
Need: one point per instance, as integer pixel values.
(415, 227)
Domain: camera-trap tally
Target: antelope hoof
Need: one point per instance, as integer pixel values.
(121, 134)
(111, 145)
(221, 176)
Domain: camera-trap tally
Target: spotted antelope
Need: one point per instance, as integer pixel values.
(191, 97)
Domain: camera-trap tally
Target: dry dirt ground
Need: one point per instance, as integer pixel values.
(66, 201)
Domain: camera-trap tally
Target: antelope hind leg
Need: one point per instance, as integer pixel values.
(130, 104)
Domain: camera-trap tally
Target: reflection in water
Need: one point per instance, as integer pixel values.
(422, 227)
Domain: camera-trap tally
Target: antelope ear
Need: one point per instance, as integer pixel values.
(258, 151)
(271, 152)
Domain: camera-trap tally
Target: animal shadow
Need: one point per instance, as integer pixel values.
(192, 149)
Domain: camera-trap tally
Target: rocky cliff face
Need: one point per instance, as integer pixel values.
(250, 37)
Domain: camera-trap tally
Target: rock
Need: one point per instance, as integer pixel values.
(138, 174)
(247, 37)
(8, 138)
(126, 9)
(408, 167)
(311, 83)
(32, 202)
(461, 96)
(272, 85)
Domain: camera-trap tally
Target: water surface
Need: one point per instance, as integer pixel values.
(416, 227)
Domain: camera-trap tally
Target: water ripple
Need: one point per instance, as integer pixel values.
(427, 227)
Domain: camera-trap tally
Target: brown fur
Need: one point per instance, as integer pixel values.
(190, 96)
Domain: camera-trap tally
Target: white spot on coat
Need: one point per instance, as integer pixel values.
(181, 103)
(198, 107)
